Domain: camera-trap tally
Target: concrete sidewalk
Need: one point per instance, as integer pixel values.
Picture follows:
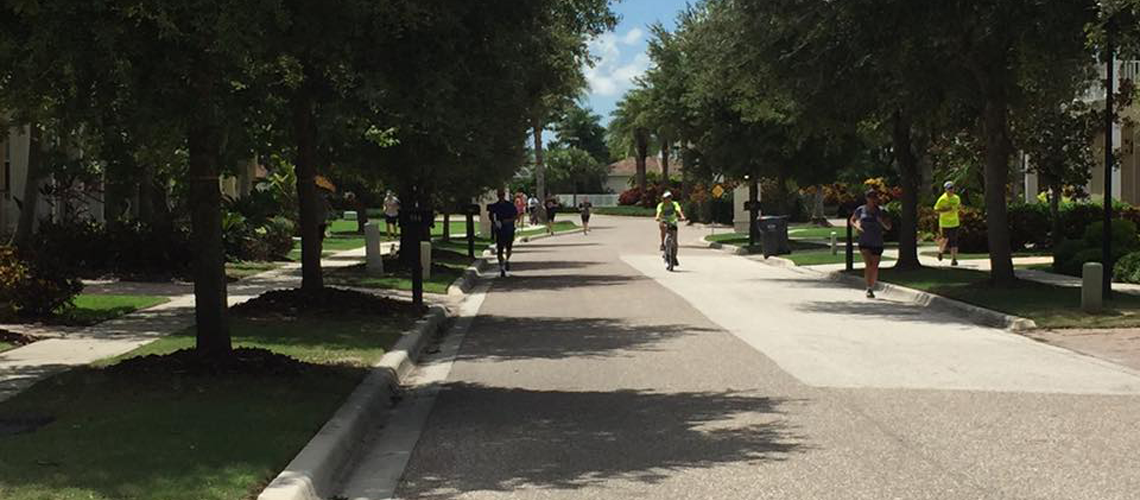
(592, 373)
(22, 367)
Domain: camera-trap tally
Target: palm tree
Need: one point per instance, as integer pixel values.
(631, 131)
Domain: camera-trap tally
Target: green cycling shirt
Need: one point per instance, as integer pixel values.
(948, 206)
(669, 212)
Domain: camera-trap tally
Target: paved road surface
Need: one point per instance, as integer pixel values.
(594, 374)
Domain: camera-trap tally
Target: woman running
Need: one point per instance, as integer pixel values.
(871, 222)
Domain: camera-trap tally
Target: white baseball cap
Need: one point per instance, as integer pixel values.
(948, 185)
(667, 194)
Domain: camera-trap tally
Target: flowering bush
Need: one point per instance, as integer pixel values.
(33, 288)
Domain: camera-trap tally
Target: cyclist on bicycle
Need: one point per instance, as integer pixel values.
(668, 214)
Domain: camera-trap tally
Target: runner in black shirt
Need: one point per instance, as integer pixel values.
(503, 214)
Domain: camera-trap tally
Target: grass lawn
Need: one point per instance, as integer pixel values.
(813, 232)
(91, 309)
(449, 260)
(741, 240)
(1036, 267)
(560, 226)
(824, 257)
(240, 270)
(459, 245)
(1050, 306)
(627, 211)
(180, 437)
(334, 243)
(4, 346)
(986, 256)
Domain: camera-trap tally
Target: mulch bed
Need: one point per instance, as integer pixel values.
(17, 339)
(325, 302)
(188, 362)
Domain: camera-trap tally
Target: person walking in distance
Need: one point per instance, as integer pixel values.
(551, 211)
(949, 207)
(532, 210)
(503, 215)
(585, 207)
(871, 222)
(392, 214)
(520, 207)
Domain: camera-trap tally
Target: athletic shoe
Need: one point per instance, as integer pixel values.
(939, 256)
(954, 262)
(870, 293)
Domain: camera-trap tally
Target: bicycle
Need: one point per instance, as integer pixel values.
(670, 253)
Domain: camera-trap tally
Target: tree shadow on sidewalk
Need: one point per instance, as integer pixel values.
(522, 283)
(549, 265)
(884, 309)
(497, 338)
(507, 439)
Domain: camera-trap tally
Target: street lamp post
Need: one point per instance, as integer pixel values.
(1109, 121)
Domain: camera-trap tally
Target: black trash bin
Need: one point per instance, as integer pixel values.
(774, 235)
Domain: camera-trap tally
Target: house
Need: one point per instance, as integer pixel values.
(1126, 133)
(622, 174)
(15, 144)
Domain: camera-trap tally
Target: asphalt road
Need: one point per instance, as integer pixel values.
(591, 373)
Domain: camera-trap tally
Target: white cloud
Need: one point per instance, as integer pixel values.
(613, 72)
(633, 36)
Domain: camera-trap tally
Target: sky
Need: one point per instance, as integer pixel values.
(621, 56)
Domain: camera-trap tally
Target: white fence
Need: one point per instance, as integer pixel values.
(598, 200)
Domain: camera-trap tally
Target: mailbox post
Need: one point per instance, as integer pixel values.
(471, 211)
(415, 221)
(753, 208)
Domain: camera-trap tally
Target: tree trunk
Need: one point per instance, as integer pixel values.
(447, 225)
(909, 177)
(305, 138)
(665, 163)
(34, 177)
(1057, 237)
(753, 210)
(539, 172)
(995, 125)
(211, 306)
(148, 188)
(642, 152)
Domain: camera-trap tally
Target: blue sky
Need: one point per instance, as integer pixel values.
(621, 55)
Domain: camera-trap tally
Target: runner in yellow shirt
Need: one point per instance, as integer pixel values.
(948, 206)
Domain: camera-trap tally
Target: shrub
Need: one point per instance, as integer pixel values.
(80, 242)
(629, 197)
(137, 248)
(278, 236)
(34, 287)
(1124, 237)
(1029, 223)
(1064, 252)
(1127, 268)
(1073, 266)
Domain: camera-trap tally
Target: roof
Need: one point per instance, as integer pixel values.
(628, 166)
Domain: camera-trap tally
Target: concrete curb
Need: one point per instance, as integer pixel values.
(470, 276)
(971, 312)
(732, 249)
(311, 474)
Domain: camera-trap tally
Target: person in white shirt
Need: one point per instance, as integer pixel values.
(392, 214)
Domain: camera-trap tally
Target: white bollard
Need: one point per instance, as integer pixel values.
(425, 258)
(1092, 283)
(373, 257)
(834, 244)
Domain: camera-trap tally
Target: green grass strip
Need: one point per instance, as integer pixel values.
(1049, 305)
